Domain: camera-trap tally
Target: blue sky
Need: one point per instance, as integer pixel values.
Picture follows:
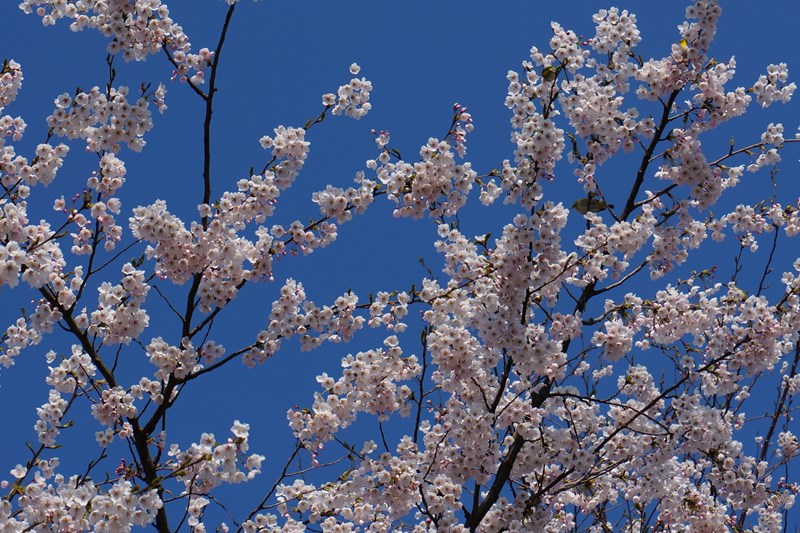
(279, 59)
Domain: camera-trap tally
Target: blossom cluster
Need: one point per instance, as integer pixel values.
(104, 119)
(137, 29)
(114, 405)
(10, 83)
(378, 492)
(18, 170)
(205, 465)
(773, 86)
(28, 331)
(73, 373)
(75, 504)
(352, 99)
(216, 252)
(368, 384)
(436, 185)
(294, 315)
(340, 204)
(287, 144)
(119, 316)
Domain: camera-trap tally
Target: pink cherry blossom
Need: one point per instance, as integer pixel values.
(557, 371)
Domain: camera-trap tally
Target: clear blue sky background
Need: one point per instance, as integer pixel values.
(279, 59)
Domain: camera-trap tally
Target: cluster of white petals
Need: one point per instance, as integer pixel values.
(773, 86)
(216, 252)
(340, 204)
(205, 465)
(104, 119)
(290, 146)
(10, 84)
(76, 504)
(351, 100)
(436, 185)
(137, 29)
(294, 315)
(42, 169)
(73, 373)
(119, 316)
(114, 404)
(368, 384)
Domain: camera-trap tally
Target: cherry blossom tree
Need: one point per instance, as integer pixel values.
(612, 383)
